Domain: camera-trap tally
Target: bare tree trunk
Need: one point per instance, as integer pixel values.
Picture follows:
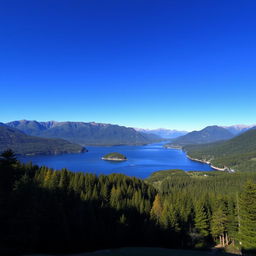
(227, 242)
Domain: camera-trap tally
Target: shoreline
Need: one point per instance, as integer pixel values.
(173, 147)
(225, 169)
(198, 160)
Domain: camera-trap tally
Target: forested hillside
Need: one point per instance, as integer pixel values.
(61, 211)
(23, 144)
(238, 153)
(207, 206)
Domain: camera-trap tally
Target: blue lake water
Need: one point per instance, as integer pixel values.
(142, 160)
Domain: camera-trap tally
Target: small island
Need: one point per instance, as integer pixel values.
(114, 157)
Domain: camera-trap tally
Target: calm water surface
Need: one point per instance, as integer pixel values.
(142, 160)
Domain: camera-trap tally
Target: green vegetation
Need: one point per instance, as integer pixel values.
(207, 135)
(85, 133)
(247, 213)
(49, 211)
(59, 211)
(207, 206)
(27, 145)
(238, 153)
(114, 157)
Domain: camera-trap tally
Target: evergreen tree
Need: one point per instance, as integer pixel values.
(64, 179)
(8, 173)
(248, 216)
(54, 181)
(69, 210)
(164, 219)
(218, 227)
(232, 222)
(8, 158)
(201, 220)
(157, 209)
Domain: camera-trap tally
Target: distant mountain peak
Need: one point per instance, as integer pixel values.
(209, 134)
(163, 132)
(239, 128)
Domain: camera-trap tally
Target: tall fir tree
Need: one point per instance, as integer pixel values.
(218, 225)
(156, 210)
(201, 220)
(247, 216)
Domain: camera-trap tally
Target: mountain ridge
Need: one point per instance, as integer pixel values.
(207, 135)
(239, 128)
(83, 133)
(23, 144)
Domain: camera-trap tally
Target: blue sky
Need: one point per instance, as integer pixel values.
(174, 64)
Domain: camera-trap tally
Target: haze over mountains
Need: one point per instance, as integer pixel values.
(163, 133)
(240, 128)
(173, 134)
(85, 133)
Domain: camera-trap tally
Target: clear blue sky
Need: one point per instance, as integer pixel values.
(142, 63)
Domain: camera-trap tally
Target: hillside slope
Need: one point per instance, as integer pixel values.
(238, 153)
(85, 133)
(24, 144)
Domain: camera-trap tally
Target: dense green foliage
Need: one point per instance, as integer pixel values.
(24, 144)
(238, 153)
(85, 133)
(46, 210)
(115, 156)
(247, 213)
(207, 135)
(207, 207)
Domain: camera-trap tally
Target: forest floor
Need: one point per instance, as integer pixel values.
(145, 251)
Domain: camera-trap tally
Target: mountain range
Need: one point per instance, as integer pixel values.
(21, 143)
(85, 133)
(239, 128)
(28, 137)
(163, 133)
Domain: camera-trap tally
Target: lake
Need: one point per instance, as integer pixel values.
(142, 160)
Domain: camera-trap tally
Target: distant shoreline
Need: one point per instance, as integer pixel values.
(172, 147)
(225, 169)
